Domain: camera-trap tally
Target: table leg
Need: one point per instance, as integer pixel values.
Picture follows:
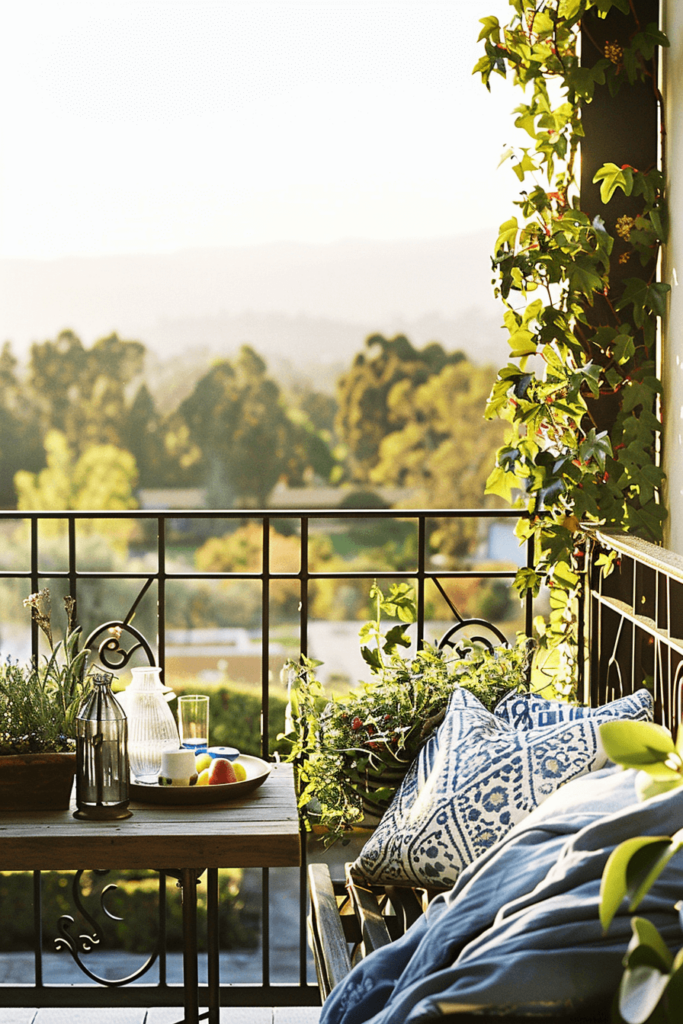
(188, 882)
(213, 946)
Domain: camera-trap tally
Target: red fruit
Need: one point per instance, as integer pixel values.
(356, 723)
(221, 771)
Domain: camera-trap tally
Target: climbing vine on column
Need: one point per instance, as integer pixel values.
(579, 389)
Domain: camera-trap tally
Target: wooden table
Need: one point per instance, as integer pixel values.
(261, 830)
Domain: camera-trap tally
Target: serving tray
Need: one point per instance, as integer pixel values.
(152, 793)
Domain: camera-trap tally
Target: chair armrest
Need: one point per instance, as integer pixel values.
(326, 934)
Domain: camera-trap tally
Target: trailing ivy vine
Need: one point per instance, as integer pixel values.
(579, 390)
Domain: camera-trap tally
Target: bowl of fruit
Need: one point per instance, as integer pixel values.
(217, 780)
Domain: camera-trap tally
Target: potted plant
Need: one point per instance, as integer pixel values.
(353, 751)
(38, 707)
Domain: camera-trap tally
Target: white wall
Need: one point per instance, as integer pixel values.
(672, 348)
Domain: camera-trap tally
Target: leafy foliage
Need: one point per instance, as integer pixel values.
(441, 449)
(353, 751)
(20, 447)
(235, 432)
(651, 988)
(82, 392)
(580, 390)
(372, 394)
(239, 433)
(102, 477)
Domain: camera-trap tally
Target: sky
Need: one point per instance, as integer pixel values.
(153, 126)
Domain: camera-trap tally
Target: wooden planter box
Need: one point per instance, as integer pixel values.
(36, 782)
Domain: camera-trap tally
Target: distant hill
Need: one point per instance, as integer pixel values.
(307, 305)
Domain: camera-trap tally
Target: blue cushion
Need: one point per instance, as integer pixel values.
(529, 711)
(473, 780)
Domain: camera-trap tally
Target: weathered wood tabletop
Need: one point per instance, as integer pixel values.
(261, 830)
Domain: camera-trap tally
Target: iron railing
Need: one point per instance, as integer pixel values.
(36, 573)
(634, 624)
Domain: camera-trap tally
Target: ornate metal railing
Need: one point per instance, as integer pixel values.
(35, 573)
(634, 624)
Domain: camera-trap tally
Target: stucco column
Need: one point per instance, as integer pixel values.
(672, 273)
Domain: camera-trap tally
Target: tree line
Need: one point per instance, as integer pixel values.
(80, 429)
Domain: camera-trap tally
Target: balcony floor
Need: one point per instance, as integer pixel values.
(161, 1015)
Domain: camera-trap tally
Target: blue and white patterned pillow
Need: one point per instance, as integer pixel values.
(473, 780)
(528, 711)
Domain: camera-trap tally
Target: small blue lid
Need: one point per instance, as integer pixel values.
(229, 753)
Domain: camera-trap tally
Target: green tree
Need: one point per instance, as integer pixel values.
(442, 448)
(20, 445)
(240, 436)
(103, 477)
(309, 452)
(366, 415)
(82, 392)
(143, 435)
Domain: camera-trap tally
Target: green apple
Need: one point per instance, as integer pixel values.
(203, 761)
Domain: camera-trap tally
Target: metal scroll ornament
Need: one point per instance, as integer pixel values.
(102, 766)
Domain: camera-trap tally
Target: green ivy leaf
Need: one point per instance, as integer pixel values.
(565, 576)
(502, 483)
(525, 165)
(528, 581)
(490, 30)
(583, 80)
(624, 349)
(395, 637)
(596, 446)
(372, 657)
(583, 277)
(612, 178)
(522, 342)
(507, 234)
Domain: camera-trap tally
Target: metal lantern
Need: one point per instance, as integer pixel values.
(102, 767)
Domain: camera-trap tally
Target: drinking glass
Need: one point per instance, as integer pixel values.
(193, 721)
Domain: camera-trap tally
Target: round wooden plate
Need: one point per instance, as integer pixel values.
(257, 773)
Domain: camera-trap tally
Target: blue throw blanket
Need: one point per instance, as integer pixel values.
(519, 932)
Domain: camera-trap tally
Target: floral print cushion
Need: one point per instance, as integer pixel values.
(473, 780)
(528, 711)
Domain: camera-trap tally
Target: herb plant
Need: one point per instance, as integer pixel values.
(39, 702)
(354, 750)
